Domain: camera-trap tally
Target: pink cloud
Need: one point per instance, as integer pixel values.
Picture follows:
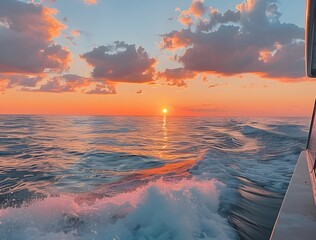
(177, 76)
(246, 6)
(250, 39)
(112, 64)
(90, 2)
(59, 84)
(217, 85)
(13, 80)
(101, 88)
(75, 32)
(26, 39)
(177, 39)
(121, 62)
(196, 10)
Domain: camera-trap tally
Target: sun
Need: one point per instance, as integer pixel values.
(164, 110)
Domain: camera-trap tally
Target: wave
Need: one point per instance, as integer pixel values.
(281, 131)
(134, 178)
(183, 209)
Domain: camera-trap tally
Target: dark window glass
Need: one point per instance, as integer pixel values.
(312, 138)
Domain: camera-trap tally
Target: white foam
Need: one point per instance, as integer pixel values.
(184, 209)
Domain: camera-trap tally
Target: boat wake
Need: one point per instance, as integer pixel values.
(181, 209)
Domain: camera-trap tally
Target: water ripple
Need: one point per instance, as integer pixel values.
(101, 157)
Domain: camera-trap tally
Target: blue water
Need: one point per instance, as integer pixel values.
(100, 177)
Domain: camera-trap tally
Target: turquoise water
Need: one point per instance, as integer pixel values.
(100, 177)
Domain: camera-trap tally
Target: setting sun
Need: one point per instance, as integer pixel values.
(164, 111)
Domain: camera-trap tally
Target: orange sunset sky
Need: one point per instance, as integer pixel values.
(196, 58)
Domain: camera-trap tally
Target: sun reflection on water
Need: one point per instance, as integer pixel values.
(165, 132)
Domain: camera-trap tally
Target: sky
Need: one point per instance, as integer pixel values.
(115, 57)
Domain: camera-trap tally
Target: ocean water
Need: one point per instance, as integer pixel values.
(125, 178)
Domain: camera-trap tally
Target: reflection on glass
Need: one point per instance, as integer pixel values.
(312, 139)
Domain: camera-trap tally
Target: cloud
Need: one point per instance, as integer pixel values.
(177, 39)
(74, 34)
(56, 84)
(217, 85)
(90, 2)
(45, 2)
(196, 10)
(254, 85)
(121, 62)
(250, 39)
(176, 77)
(27, 31)
(60, 84)
(215, 18)
(69, 83)
(102, 88)
(246, 6)
(12, 80)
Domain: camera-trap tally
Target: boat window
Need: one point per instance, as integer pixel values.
(311, 144)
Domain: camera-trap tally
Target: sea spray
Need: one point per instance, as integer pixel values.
(179, 209)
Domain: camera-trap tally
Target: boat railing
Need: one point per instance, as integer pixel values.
(311, 142)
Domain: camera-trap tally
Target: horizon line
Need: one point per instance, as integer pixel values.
(148, 115)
